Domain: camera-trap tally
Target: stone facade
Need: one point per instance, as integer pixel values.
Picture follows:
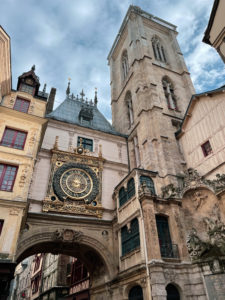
(20, 156)
(123, 200)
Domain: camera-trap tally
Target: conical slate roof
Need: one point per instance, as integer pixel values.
(81, 112)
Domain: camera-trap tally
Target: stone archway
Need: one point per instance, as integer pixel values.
(73, 242)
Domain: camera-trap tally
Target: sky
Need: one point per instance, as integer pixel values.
(72, 38)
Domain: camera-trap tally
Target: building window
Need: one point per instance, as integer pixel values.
(130, 238)
(206, 148)
(86, 143)
(1, 225)
(158, 50)
(37, 263)
(136, 152)
(27, 88)
(149, 183)
(125, 67)
(169, 94)
(130, 188)
(136, 293)
(172, 292)
(128, 100)
(14, 138)
(79, 272)
(122, 196)
(166, 248)
(7, 177)
(35, 284)
(21, 105)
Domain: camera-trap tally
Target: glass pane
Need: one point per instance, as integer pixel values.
(21, 105)
(130, 188)
(27, 89)
(8, 137)
(19, 141)
(8, 179)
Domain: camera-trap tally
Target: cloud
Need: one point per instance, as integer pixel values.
(73, 38)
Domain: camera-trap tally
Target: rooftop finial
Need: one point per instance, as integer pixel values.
(68, 87)
(96, 98)
(33, 68)
(44, 88)
(82, 94)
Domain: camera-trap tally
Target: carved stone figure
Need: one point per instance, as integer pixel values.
(213, 247)
(196, 247)
(67, 235)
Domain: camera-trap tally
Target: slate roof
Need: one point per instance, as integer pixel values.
(69, 112)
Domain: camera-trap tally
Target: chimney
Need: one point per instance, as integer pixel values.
(51, 100)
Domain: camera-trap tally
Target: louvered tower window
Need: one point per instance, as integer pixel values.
(125, 67)
(158, 50)
(169, 94)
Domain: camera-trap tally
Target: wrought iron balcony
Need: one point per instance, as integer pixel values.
(169, 250)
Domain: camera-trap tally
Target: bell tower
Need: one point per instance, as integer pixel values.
(150, 90)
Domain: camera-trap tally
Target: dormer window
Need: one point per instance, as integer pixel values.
(28, 82)
(86, 115)
(27, 88)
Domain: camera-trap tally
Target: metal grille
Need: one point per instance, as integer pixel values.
(130, 188)
(122, 196)
(167, 249)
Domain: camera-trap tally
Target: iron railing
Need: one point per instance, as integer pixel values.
(169, 250)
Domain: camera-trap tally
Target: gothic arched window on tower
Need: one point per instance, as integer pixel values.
(169, 93)
(125, 66)
(128, 100)
(158, 49)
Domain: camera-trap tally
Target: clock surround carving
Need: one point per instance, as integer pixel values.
(75, 184)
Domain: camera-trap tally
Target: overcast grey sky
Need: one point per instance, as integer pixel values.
(72, 38)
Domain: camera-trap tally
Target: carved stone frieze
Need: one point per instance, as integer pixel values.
(217, 184)
(23, 177)
(170, 275)
(192, 180)
(67, 235)
(198, 199)
(170, 191)
(75, 183)
(71, 208)
(213, 247)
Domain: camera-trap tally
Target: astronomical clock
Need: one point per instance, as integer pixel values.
(75, 182)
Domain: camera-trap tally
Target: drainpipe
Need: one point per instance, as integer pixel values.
(146, 254)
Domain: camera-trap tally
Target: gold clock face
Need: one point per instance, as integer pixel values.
(76, 183)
